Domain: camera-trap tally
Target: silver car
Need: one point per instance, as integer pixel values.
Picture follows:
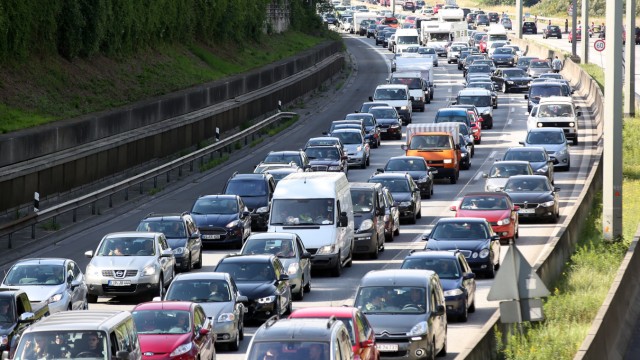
(130, 264)
(355, 145)
(502, 170)
(220, 299)
(56, 282)
(552, 140)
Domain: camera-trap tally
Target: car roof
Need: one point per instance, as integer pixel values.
(396, 277)
(79, 321)
(271, 235)
(389, 176)
(474, 91)
(463, 219)
(258, 176)
(299, 329)
(403, 157)
(547, 129)
(432, 254)
(348, 130)
(284, 152)
(451, 110)
(204, 275)
(133, 234)
(164, 305)
(528, 177)
(486, 193)
(324, 311)
(45, 261)
(363, 185)
(247, 258)
(512, 162)
(527, 148)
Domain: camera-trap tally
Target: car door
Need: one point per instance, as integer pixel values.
(194, 242)
(167, 263)
(379, 212)
(365, 332)
(246, 220)
(494, 244)
(415, 193)
(204, 343)
(469, 284)
(439, 321)
(305, 263)
(282, 286)
(497, 77)
(79, 291)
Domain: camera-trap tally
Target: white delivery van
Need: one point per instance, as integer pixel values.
(406, 38)
(411, 62)
(398, 96)
(317, 206)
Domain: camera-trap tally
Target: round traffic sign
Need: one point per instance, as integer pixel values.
(599, 45)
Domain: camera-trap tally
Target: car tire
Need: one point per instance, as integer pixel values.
(465, 315)
(453, 179)
(241, 330)
(505, 89)
(92, 299)
(491, 273)
(399, 136)
(363, 165)
(198, 265)
(189, 264)
(388, 237)
(396, 232)
(419, 216)
(299, 296)
(575, 141)
(235, 346)
(376, 253)
(307, 287)
(412, 220)
(337, 270)
(472, 307)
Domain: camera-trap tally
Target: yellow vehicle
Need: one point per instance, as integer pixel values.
(439, 145)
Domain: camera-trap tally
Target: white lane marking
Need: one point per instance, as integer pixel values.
(493, 154)
(513, 109)
(478, 176)
(509, 122)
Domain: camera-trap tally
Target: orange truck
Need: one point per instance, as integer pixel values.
(438, 144)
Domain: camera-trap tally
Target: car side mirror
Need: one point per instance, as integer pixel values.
(88, 254)
(468, 276)
(439, 310)
(166, 253)
(156, 298)
(344, 157)
(194, 236)
(453, 208)
(425, 237)
(380, 170)
(457, 147)
(433, 171)
(521, 143)
(284, 277)
(344, 220)
(516, 208)
(203, 332)
(556, 189)
(370, 98)
(242, 299)
(411, 98)
(26, 317)
(122, 355)
(550, 161)
(305, 255)
(485, 175)
(404, 147)
(495, 237)
(245, 214)
(526, 96)
(366, 344)
(454, 102)
(579, 113)
(325, 133)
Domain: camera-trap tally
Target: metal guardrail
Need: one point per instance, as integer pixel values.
(31, 220)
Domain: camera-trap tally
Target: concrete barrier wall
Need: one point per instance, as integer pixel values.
(120, 152)
(550, 267)
(31, 143)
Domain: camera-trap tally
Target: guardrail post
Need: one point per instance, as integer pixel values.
(93, 208)
(33, 231)
(74, 213)
(111, 199)
(141, 188)
(10, 245)
(126, 194)
(155, 182)
(179, 171)
(168, 178)
(191, 166)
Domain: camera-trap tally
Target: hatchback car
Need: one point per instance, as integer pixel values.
(507, 23)
(537, 156)
(362, 336)
(537, 67)
(529, 27)
(222, 219)
(174, 329)
(356, 146)
(417, 167)
(511, 79)
(504, 56)
(545, 89)
(323, 141)
(405, 193)
(535, 196)
(501, 171)
(496, 207)
(372, 130)
(263, 280)
(368, 218)
(220, 299)
(54, 281)
(130, 264)
(458, 281)
(285, 157)
(256, 191)
(482, 19)
(288, 247)
(389, 122)
(327, 158)
(552, 31)
(183, 236)
(475, 239)
(554, 142)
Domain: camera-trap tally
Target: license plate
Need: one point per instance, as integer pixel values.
(119, 282)
(387, 347)
(212, 237)
(526, 211)
(383, 130)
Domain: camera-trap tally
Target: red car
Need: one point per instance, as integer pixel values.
(176, 330)
(476, 128)
(362, 335)
(482, 44)
(497, 208)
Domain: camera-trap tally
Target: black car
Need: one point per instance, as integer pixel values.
(473, 237)
(462, 57)
(468, 61)
(523, 62)
(536, 197)
(494, 17)
(504, 57)
(465, 154)
(285, 157)
(471, 17)
(222, 219)
(511, 79)
(482, 19)
(324, 141)
(417, 167)
(529, 27)
(368, 218)
(478, 69)
(371, 128)
(256, 191)
(537, 157)
(552, 31)
(405, 192)
(330, 19)
(263, 280)
(487, 85)
(371, 30)
(387, 35)
(388, 120)
(458, 281)
(327, 158)
(369, 104)
(380, 37)
(182, 235)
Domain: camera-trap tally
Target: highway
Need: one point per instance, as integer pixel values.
(371, 69)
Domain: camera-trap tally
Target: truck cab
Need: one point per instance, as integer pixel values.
(439, 145)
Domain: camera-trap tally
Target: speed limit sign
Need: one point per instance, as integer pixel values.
(599, 45)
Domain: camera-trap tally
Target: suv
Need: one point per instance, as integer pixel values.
(458, 281)
(398, 96)
(129, 264)
(405, 192)
(407, 311)
(556, 112)
(182, 236)
(256, 191)
(368, 217)
(263, 280)
(285, 157)
(297, 338)
(222, 219)
(529, 27)
(327, 158)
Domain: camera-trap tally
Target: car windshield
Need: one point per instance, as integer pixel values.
(545, 138)
(484, 203)
(481, 85)
(527, 185)
(513, 73)
(199, 291)
(423, 142)
(391, 300)
(545, 91)
(390, 94)
(247, 271)
(362, 201)
(322, 142)
(322, 153)
(126, 246)
(384, 113)
(479, 69)
(247, 187)
(460, 231)
(35, 274)
(394, 185)
(292, 212)
(282, 248)
(539, 64)
(439, 36)
(348, 138)
(170, 228)
(405, 40)
(478, 101)
(215, 206)
(531, 156)
(555, 110)
(426, 50)
(77, 344)
(403, 164)
(158, 322)
(524, 61)
(445, 268)
(503, 50)
(289, 349)
(412, 83)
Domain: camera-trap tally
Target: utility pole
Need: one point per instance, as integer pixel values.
(574, 19)
(584, 48)
(612, 158)
(519, 19)
(630, 61)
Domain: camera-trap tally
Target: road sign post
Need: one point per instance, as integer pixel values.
(599, 45)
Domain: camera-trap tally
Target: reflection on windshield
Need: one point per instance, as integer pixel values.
(247, 187)
(127, 246)
(513, 73)
(545, 138)
(199, 291)
(322, 153)
(383, 113)
(445, 268)
(394, 185)
(484, 203)
(506, 171)
(391, 299)
(420, 142)
(348, 138)
(478, 101)
(36, 274)
(291, 212)
(460, 231)
(390, 94)
(362, 201)
(215, 206)
(158, 322)
(528, 185)
(78, 344)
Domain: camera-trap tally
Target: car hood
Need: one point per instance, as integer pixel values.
(518, 78)
(255, 290)
(532, 197)
(122, 262)
(359, 217)
(211, 220)
(40, 293)
(539, 70)
(394, 323)
(497, 182)
(214, 309)
(323, 162)
(401, 196)
(490, 215)
(388, 121)
(353, 147)
(551, 147)
(415, 175)
(485, 110)
(503, 56)
(450, 284)
(535, 165)
(473, 245)
(555, 118)
(162, 343)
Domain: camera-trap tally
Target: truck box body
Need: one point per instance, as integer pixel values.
(423, 65)
(416, 86)
(358, 17)
(438, 144)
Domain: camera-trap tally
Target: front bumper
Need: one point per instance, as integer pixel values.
(259, 220)
(219, 235)
(356, 159)
(226, 332)
(455, 304)
(443, 172)
(364, 243)
(137, 285)
(260, 311)
(479, 264)
(324, 261)
(405, 115)
(390, 132)
(539, 212)
(396, 346)
(506, 232)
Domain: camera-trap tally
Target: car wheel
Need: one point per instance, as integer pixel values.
(349, 262)
(504, 88)
(337, 270)
(376, 252)
(453, 179)
(189, 264)
(491, 273)
(412, 220)
(300, 294)
(464, 316)
(198, 265)
(241, 329)
(235, 345)
(388, 237)
(472, 307)
(289, 308)
(363, 164)
(368, 160)
(92, 299)
(419, 216)
(396, 232)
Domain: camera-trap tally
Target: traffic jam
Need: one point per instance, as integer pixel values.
(300, 215)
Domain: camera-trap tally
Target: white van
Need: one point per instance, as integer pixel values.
(317, 206)
(406, 38)
(496, 32)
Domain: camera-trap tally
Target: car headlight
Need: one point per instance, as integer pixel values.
(366, 225)
(395, 126)
(334, 168)
(509, 82)
(484, 253)
(543, 169)
(182, 349)
(149, 270)
(234, 223)
(386, 217)
(266, 299)
(359, 148)
(505, 221)
(405, 203)
(262, 210)
(447, 161)
(540, 125)
(4, 340)
(327, 249)
(548, 203)
(486, 112)
(422, 179)
(464, 154)
(453, 292)
(419, 329)
(92, 270)
(293, 268)
(226, 317)
(571, 124)
(562, 152)
(178, 251)
(55, 298)
(403, 108)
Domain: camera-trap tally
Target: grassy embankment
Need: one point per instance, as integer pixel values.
(41, 90)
